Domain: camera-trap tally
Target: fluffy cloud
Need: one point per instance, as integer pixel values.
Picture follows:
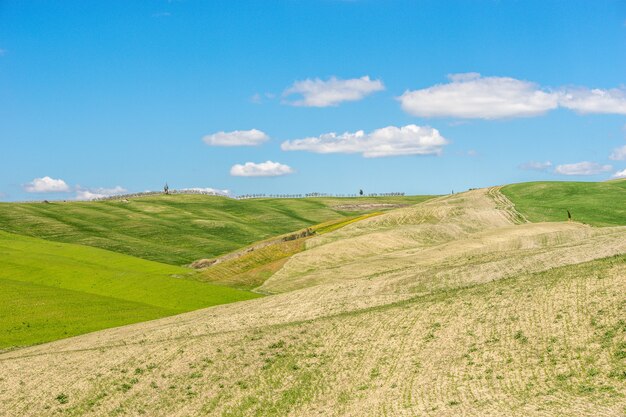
(584, 100)
(94, 193)
(582, 168)
(388, 141)
(471, 96)
(618, 154)
(536, 166)
(237, 138)
(47, 185)
(319, 93)
(620, 174)
(263, 169)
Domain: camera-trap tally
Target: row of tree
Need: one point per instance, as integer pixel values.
(310, 195)
(167, 190)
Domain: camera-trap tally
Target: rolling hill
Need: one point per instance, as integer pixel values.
(595, 203)
(179, 229)
(459, 305)
(51, 290)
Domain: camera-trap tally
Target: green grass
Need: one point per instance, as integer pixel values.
(51, 290)
(175, 229)
(594, 203)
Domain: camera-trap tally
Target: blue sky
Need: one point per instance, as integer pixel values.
(100, 97)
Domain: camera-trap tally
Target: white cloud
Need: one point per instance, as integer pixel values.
(536, 166)
(46, 185)
(94, 193)
(263, 169)
(388, 141)
(584, 100)
(237, 138)
(620, 174)
(319, 93)
(582, 168)
(618, 154)
(258, 98)
(207, 190)
(471, 96)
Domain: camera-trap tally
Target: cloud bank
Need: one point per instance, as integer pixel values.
(251, 137)
(471, 96)
(582, 168)
(584, 100)
(46, 185)
(94, 193)
(388, 141)
(319, 93)
(263, 169)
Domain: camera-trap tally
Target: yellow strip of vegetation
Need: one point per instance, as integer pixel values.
(253, 268)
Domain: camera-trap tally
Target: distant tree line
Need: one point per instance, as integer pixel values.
(313, 195)
(244, 196)
(149, 193)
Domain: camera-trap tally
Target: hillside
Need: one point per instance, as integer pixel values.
(52, 290)
(595, 203)
(455, 306)
(179, 229)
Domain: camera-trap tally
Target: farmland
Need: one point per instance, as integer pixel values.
(176, 229)
(467, 304)
(52, 290)
(597, 203)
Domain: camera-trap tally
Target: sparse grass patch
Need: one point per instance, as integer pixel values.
(62, 398)
(520, 337)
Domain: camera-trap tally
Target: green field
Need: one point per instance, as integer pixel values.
(51, 290)
(57, 281)
(176, 229)
(594, 203)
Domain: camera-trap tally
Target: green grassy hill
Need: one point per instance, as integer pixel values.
(51, 290)
(178, 229)
(594, 203)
